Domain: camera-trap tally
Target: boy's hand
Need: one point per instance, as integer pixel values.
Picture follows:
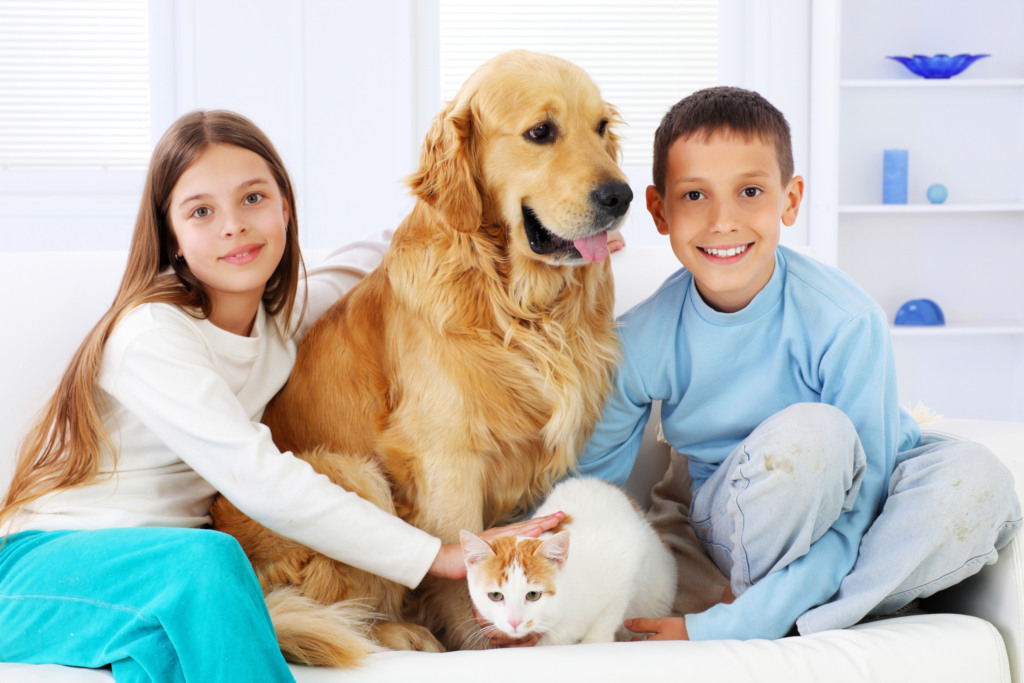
(499, 638)
(665, 628)
(615, 241)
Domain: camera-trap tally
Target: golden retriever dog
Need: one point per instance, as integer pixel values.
(458, 381)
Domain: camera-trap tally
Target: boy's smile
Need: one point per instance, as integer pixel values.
(724, 199)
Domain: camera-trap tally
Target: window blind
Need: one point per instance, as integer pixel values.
(645, 56)
(74, 84)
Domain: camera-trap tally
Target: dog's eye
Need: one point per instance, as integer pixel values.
(600, 128)
(542, 133)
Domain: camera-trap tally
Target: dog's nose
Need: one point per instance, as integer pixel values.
(613, 198)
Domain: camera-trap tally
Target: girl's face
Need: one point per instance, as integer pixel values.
(230, 220)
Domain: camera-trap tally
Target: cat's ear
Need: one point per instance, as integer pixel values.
(555, 549)
(474, 548)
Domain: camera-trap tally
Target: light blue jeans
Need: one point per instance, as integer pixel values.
(158, 605)
(951, 506)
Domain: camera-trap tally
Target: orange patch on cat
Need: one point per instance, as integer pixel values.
(509, 551)
(563, 525)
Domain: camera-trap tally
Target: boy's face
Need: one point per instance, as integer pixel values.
(723, 196)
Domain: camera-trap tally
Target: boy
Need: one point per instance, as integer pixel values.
(812, 490)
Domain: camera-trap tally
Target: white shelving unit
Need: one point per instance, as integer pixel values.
(967, 133)
(930, 208)
(957, 329)
(932, 83)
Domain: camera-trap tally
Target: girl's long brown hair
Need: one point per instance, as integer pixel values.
(62, 447)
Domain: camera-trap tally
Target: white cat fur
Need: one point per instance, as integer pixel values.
(616, 568)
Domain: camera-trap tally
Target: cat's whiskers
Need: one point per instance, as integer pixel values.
(475, 639)
(484, 631)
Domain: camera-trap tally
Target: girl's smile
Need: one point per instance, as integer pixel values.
(243, 255)
(230, 219)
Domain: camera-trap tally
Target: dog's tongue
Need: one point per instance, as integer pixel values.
(593, 248)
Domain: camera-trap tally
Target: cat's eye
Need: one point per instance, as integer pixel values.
(496, 596)
(533, 596)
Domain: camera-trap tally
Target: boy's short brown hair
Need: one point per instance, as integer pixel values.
(708, 111)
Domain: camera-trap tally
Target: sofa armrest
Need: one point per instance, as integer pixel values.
(996, 593)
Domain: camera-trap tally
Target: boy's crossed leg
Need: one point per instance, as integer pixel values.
(951, 507)
(778, 492)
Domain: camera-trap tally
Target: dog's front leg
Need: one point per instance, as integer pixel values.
(450, 498)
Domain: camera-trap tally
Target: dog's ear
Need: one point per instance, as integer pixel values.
(445, 176)
(611, 137)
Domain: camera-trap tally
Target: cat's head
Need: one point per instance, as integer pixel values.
(514, 581)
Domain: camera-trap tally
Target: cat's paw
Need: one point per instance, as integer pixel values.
(403, 636)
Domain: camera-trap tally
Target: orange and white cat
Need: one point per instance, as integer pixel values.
(618, 569)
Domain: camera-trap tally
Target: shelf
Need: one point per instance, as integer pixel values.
(931, 208)
(933, 83)
(953, 330)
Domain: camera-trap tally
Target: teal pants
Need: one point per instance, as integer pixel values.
(157, 605)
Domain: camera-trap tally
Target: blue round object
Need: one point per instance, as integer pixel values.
(920, 312)
(937, 193)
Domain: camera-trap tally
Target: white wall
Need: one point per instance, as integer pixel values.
(765, 46)
(346, 91)
(330, 82)
(762, 46)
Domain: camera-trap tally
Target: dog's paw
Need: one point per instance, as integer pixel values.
(400, 636)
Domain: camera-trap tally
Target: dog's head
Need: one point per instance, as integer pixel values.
(528, 144)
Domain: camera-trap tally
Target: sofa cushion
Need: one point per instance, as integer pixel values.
(938, 648)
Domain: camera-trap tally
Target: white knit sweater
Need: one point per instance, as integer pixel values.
(185, 400)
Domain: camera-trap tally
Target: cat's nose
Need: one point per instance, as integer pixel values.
(514, 623)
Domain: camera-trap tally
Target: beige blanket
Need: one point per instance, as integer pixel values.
(701, 583)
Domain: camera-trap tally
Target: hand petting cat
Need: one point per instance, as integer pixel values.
(449, 563)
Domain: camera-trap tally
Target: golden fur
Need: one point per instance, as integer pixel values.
(467, 371)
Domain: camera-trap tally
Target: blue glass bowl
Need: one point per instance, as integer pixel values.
(939, 66)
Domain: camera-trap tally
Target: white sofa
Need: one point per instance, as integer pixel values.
(974, 633)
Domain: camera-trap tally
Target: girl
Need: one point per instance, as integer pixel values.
(104, 559)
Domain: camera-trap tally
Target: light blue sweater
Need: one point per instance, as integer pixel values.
(811, 335)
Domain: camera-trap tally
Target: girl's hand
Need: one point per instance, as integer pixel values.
(449, 563)
(615, 241)
(665, 628)
(500, 638)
